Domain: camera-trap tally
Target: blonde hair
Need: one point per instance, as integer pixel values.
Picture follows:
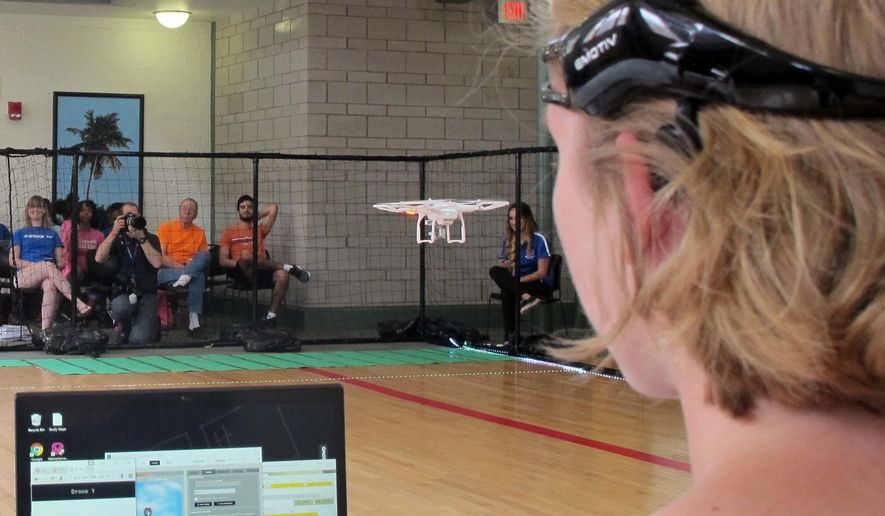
(40, 202)
(776, 286)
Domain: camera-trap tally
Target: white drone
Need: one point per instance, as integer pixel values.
(440, 215)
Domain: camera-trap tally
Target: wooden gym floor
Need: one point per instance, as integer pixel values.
(500, 437)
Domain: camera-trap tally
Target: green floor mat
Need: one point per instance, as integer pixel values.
(253, 361)
(166, 365)
(15, 363)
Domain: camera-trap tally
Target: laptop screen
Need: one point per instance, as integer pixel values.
(244, 451)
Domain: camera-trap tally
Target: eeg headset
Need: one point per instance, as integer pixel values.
(640, 49)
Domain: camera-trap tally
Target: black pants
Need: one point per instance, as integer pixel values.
(511, 291)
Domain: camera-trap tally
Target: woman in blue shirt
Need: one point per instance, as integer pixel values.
(37, 258)
(534, 282)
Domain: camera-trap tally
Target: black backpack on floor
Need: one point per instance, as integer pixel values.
(268, 340)
(63, 339)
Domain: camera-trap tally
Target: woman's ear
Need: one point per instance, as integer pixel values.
(658, 228)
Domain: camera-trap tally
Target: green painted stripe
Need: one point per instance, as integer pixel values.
(409, 357)
(480, 356)
(350, 358)
(15, 363)
(168, 365)
(272, 360)
(240, 363)
(316, 359)
(333, 358)
(200, 362)
(94, 365)
(442, 356)
(373, 357)
(455, 355)
(132, 365)
(257, 361)
(385, 356)
(58, 366)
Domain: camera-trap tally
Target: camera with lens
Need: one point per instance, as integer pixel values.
(134, 221)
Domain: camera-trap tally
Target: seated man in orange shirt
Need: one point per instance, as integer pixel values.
(185, 261)
(235, 253)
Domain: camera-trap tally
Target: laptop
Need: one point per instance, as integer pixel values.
(232, 451)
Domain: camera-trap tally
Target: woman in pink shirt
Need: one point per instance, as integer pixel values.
(88, 238)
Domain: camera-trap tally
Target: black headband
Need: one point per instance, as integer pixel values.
(633, 49)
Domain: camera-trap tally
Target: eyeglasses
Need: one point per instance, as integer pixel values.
(633, 49)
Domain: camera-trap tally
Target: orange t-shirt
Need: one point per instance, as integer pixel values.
(239, 239)
(182, 244)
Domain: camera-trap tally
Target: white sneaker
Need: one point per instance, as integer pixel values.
(528, 304)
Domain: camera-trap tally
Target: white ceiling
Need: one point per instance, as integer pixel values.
(202, 10)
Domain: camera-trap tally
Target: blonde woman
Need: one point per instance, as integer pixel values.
(37, 258)
(720, 200)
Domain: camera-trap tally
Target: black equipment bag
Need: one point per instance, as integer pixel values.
(436, 331)
(268, 340)
(63, 339)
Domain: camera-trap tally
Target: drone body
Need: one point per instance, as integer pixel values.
(441, 215)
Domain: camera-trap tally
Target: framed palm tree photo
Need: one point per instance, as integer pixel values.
(104, 122)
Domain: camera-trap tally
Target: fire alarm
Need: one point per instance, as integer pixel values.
(15, 110)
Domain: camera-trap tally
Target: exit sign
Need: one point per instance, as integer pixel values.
(512, 11)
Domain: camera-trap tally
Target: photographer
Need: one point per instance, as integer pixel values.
(134, 304)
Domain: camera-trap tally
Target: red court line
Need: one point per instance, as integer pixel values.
(512, 423)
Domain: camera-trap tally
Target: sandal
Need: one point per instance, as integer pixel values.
(83, 310)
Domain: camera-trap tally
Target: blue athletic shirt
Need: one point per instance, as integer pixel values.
(4, 232)
(528, 258)
(37, 244)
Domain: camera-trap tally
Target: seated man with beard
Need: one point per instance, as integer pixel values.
(235, 253)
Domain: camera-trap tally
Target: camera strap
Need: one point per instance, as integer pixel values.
(132, 251)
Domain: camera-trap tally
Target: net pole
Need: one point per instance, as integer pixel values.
(514, 350)
(254, 270)
(74, 244)
(422, 269)
(212, 92)
(9, 199)
(13, 262)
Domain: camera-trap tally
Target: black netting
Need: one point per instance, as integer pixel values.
(366, 267)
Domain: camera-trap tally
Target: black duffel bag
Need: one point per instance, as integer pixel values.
(63, 339)
(268, 340)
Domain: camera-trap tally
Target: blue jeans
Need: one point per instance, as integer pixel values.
(139, 321)
(196, 269)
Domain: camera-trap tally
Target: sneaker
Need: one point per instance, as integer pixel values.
(198, 333)
(527, 304)
(300, 274)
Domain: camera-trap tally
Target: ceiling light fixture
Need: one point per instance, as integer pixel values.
(172, 19)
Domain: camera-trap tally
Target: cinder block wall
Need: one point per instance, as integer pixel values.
(371, 76)
(366, 77)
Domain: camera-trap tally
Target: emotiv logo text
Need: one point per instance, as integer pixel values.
(595, 52)
(616, 18)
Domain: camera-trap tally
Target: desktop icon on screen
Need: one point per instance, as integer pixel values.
(57, 419)
(36, 419)
(57, 449)
(36, 450)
